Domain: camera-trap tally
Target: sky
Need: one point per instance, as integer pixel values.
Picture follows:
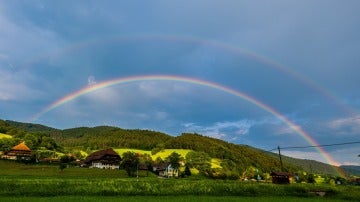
(297, 61)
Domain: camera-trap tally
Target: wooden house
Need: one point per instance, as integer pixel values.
(281, 177)
(19, 151)
(165, 170)
(105, 159)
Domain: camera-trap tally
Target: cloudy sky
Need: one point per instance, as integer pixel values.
(298, 58)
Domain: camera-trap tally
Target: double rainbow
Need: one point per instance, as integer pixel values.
(132, 79)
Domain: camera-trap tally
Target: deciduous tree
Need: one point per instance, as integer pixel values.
(130, 162)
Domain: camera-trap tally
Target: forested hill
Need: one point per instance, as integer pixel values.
(102, 137)
(30, 127)
(355, 170)
(242, 155)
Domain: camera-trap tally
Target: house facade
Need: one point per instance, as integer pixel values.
(104, 159)
(166, 170)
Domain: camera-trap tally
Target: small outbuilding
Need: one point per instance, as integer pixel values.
(105, 159)
(281, 177)
(19, 152)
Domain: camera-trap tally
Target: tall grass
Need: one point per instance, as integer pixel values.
(163, 198)
(164, 187)
(46, 181)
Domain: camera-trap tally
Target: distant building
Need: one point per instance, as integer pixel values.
(105, 159)
(165, 170)
(281, 177)
(19, 152)
(355, 181)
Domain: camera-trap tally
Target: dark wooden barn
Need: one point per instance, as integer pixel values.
(281, 177)
(106, 159)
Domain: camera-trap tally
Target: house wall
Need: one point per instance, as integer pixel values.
(169, 172)
(103, 166)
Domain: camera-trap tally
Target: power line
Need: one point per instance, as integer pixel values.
(312, 146)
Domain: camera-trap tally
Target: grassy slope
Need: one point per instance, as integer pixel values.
(215, 163)
(163, 154)
(2, 135)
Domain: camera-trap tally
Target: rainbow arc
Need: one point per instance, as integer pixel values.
(244, 96)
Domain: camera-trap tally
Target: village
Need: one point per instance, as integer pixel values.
(109, 159)
(102, 159)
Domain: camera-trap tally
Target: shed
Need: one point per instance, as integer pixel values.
(281, 177)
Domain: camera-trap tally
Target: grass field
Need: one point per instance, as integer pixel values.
(2, 135)
(11, 169)
(165, 198)
(48, 183)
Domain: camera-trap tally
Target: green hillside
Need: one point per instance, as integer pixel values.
(232, 156)
(354, 170)
(242, 155)
(104, 136)
(162, 154)
(30, 127)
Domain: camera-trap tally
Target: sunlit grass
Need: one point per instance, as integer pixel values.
(137, 151)
(162, 154)
(2, 135)
(165, 153)
(215, 163)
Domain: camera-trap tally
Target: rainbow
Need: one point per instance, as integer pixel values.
(132, 79)
(205, 42)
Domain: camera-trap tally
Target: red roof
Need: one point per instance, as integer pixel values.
(21, 147)
(280, 174)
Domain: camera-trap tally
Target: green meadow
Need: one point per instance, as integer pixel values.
(164, 198)
(47, 182)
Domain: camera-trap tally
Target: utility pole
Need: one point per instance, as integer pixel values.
(281, 164)
(137, 172)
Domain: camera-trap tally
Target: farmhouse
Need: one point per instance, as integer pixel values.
(281, 177)
(20, 151)
(105, 159)
(165, 170)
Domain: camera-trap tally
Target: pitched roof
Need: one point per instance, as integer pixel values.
(280, 174)
(100, 154)
(21, 147)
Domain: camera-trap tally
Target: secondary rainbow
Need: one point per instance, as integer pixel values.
(200, 41)
(132, 79)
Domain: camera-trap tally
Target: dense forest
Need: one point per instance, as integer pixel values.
(234, 157)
